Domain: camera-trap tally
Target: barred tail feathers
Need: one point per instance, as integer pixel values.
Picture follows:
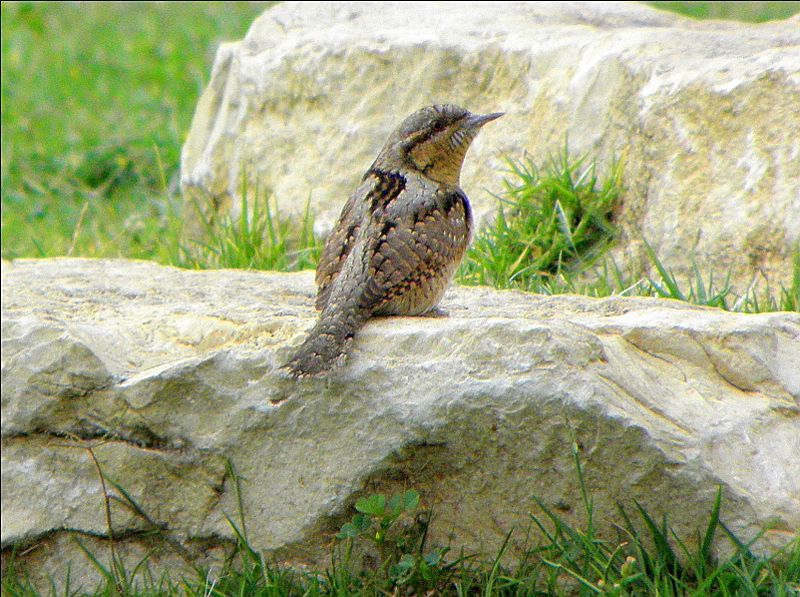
(326, 346)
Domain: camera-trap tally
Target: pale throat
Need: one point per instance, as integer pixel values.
(442, 164)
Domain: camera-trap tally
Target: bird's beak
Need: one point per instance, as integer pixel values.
(478, 120)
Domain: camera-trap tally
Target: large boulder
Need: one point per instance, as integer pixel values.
(704, 114)
(159, 377)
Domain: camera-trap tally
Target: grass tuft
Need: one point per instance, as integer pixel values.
(258, 239)
(549, 222)
(701, 291)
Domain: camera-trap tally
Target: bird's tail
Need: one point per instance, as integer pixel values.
(326, 346)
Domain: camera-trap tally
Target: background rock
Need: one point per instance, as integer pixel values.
(703, 113)
(168, 373)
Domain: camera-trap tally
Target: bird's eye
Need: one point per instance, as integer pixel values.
(439, 125)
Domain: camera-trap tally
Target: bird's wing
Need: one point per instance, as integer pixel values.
(378, 188)
(410, 243)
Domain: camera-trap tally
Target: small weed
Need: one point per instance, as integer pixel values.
(790, 297)
(699, 292)
(398, 539)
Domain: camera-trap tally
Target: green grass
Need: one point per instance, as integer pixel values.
(384, 550)
(96, 101)
(259, 239)
(753, 12)
(548, 221)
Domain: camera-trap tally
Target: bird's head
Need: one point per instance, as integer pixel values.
(434, 141)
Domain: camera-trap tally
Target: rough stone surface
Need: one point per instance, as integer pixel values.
(166, 373)
(703, 113)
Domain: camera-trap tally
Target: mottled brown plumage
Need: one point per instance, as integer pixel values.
(400, 236)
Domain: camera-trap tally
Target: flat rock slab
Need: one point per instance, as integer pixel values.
(703, 113)
(168, 375)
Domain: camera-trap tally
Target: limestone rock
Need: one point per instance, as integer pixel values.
(704, 113)
(166, 374)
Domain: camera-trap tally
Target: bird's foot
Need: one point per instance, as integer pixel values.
(436, 312)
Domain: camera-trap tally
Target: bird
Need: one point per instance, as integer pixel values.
(399, 238)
